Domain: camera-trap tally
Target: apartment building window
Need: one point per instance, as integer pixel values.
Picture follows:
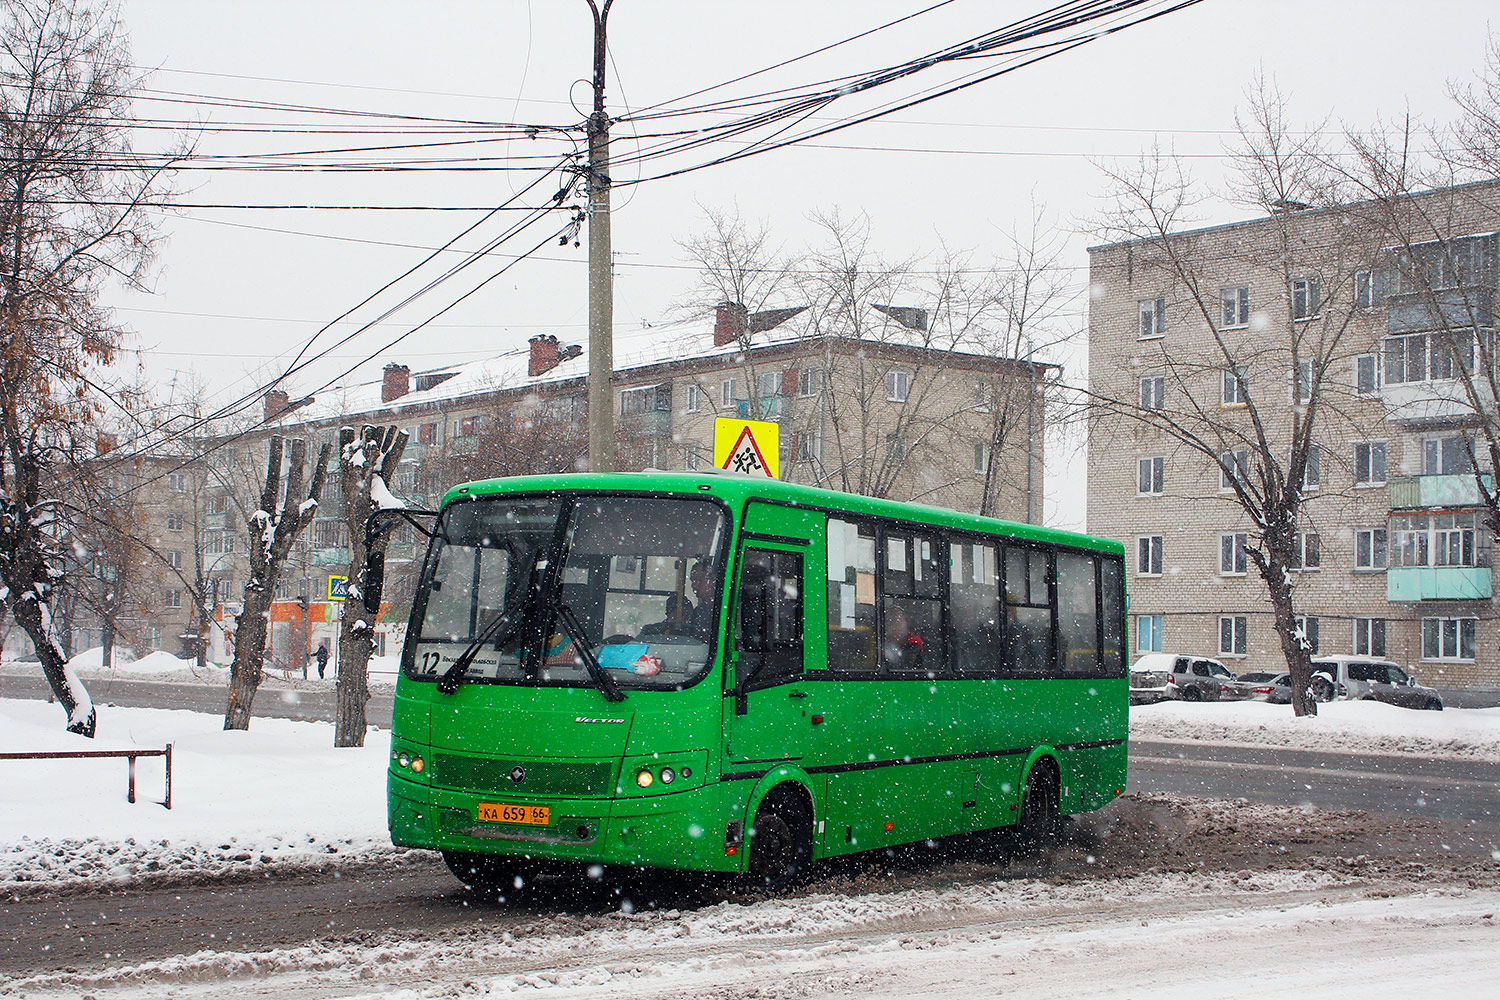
(174, 558)
(1148, 555)
(810, 446)
(647, 399)
(1148, 633)
(984, 396)
(1233, 635)
(1234, 386)
(767, 384)
(1369, 637)
(1234, 466)
(1153, 392)
(691, 460)
(1369, 549)
(897, 386)
(1302, 382)
(726, 392)
(1367, 374)
(1308, 627)
(427, 434)
(1406, 359)
(1312, 472)
(153, 636)
(1364, 291)
(1153, 318)
(1369, 463)
(1233, 558)
(1307, 552)
(981, 457)
(1448, 638)
(1447, 539)
(809, 382)
(172, 599)
(1236, 303)
(1452, 354)
(177, 482)
(1150, 476)
(1307, 298)
(1451, 454)
(694, 401)
(895, 448)
(176, 522)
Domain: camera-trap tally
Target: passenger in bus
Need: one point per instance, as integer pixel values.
(675, 618)
(903, 647)
(702, 619)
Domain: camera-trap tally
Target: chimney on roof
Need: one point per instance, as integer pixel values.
(731, 321)
(544, 355)
(397, 382)
(277, 403)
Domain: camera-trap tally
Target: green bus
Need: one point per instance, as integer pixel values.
(720, 673)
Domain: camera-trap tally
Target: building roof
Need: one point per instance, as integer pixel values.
(635, 350)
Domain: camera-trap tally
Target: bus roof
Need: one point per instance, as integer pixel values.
(736, 490)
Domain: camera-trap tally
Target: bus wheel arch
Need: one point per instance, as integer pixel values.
(1041, 801)
(779, 839)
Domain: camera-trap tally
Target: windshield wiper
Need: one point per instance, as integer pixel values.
(448, 683)
(597, 673)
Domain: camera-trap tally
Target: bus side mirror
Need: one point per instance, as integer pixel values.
(374, 581)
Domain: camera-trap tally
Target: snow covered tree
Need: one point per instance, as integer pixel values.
(72, 192)
(273, 528)
(366, 463)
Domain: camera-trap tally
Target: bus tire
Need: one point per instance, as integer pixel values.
(1041, 819)
(488, 873)
(780, 840)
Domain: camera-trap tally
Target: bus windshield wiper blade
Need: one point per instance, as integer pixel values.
(448, 683)
(600, 676)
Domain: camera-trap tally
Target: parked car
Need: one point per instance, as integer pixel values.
(1159, 676)
(1371, 679)
(1268, 686)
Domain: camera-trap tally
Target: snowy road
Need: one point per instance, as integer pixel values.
(1291, 934)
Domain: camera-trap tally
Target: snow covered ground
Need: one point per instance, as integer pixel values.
(163, 666)
(280, 796)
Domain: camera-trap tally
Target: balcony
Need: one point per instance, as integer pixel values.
(1453, 491)
(1437, 583)
(1446, 308)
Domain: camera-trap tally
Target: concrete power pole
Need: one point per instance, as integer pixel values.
(601, 278)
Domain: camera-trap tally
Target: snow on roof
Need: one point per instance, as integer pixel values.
(634, 349)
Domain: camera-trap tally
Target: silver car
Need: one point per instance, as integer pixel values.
(1159, 676)
(1370, 679)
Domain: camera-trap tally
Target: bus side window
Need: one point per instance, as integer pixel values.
(1028, 612)
(1112, 600)
(770, 618)
(974, 587)
(912, 606)
(851, 596)
(1078, 613)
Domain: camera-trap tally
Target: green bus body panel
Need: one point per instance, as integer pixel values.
(883, 762)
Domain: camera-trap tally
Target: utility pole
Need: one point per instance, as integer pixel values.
(601, 264)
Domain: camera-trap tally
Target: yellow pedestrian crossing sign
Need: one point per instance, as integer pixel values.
(751, 447)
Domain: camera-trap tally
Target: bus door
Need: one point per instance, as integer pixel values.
(771, 714)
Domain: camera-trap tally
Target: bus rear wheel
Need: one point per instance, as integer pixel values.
(488, 873)
(780, 841)
(1041, 820)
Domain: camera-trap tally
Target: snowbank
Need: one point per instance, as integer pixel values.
(1349, 726)
(279, 792)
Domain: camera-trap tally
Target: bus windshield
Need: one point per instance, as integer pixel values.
(637, 574)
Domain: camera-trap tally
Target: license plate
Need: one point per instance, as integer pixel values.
(500, 812)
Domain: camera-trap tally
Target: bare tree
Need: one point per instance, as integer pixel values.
(71, 197)
(366, 464)
(1251, 402)
(273, 528)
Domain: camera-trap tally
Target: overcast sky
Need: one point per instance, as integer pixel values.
(238, 289)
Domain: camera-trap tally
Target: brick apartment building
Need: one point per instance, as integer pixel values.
(1394, 557)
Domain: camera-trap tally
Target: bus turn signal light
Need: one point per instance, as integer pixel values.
(644, 777)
